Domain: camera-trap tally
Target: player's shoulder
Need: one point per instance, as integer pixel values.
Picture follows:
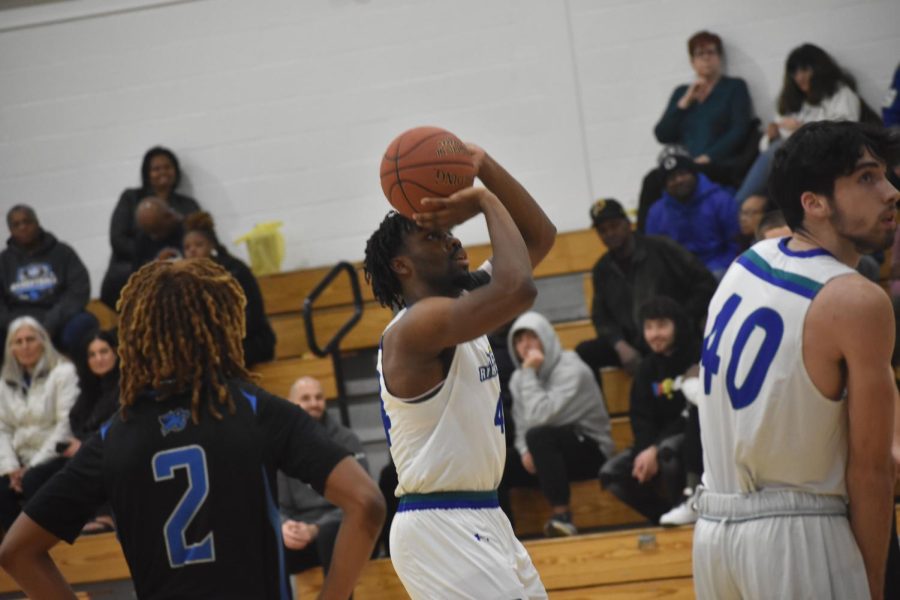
(852, 303)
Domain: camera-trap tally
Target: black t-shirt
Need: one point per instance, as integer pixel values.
(195, 505)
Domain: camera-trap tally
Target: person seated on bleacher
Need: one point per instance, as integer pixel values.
(161, 233)
(712, 117)
(751, 214)
(815, 88)
(695, 212)
(635, 269)
(309, 523)
(43, 278)
(38, 387)
(650, 476)
(562, 427)
(97, 363)
(200, 241)
(160, 176)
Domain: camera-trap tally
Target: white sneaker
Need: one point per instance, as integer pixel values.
(683, 514)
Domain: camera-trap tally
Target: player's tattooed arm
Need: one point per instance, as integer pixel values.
(24, 555)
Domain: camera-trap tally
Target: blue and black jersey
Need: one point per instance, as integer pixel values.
(195, 504)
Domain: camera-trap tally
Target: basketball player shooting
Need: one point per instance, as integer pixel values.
(439, 386)
(189, 464)
(798, 411)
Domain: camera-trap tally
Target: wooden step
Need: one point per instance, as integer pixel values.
(676, 588)
(573, 252)
(278, 376)
(616, 390)
(592, 507)
(622, 434)
(577, 563)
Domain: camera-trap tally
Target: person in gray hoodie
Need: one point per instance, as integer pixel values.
(562, 427)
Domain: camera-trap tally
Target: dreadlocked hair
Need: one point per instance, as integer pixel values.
(180, 328)
(381, 247)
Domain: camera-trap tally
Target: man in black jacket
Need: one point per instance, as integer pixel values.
(43, 278)
(635, 269)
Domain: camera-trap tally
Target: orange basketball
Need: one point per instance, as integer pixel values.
(425, 162)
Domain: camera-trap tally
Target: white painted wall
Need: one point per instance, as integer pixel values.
(281, 109)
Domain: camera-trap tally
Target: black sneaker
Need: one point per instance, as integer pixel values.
(560, 525)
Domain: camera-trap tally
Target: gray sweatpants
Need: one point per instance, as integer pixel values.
(776, 544)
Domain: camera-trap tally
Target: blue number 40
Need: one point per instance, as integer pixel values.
(773, 327)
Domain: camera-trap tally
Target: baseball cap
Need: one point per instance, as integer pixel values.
(675, 158)
(605, 209)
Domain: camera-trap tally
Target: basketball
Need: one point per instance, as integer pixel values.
(425, 162)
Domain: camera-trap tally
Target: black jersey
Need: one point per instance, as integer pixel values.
(195, 505)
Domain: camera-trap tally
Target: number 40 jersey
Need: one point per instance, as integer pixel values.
(195, 504)
(764, 425)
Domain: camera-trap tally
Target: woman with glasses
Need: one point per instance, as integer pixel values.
(711, 117)
(37, 391)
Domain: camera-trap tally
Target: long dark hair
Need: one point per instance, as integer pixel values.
(88, 381)
(826, 78)
(145, 166)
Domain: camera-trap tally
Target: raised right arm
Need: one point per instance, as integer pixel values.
(436, 323)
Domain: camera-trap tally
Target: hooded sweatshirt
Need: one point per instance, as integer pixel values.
(563, 391)
(48, 283)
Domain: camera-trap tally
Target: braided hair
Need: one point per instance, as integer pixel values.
(180, 328)
(381, 247)
(201, 222)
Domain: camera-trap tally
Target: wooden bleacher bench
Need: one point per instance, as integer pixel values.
(601, 564)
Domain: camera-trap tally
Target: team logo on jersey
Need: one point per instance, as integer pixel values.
(174, 421)
(489, 370)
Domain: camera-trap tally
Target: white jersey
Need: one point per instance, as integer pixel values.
(452, 437)
(763, 423)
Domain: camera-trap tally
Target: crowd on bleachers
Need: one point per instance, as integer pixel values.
(702, 205)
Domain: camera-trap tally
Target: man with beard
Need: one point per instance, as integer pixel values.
(441, 405)
(695, 212)
(798, 409)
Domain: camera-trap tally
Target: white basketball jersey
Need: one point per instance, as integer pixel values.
(763, 423)
(451, 438)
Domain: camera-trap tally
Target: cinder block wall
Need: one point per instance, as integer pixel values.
(281, 110)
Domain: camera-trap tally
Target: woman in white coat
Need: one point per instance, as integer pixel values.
(37, 390)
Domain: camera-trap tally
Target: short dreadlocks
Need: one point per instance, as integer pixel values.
(382, 246)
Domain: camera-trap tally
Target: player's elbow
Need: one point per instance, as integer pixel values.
(522, 294)
(369, 506)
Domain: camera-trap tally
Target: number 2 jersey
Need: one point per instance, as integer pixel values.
(195, 505)
(763, 423)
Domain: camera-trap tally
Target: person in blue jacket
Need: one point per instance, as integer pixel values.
(700, 215)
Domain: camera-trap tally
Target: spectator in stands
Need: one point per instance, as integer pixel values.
(772, 225)
(751, 214)
(563, 429)
(43, 278)
(712, 117)
(695, 212)
(635, 269)
(890, 110)
(815, 88)
(201, 241)
(97, 364)
(37, 390)
(160, 176)
(650, 475)
(309, 523)
(161, 232)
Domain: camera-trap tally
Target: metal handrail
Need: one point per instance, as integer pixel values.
(332, 348)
